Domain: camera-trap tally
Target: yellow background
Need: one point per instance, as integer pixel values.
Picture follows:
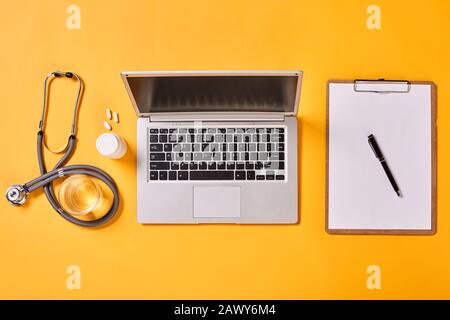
(326, 39)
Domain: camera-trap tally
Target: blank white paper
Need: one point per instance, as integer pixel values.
(360, 195)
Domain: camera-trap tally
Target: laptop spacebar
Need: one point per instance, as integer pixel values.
(212, 175)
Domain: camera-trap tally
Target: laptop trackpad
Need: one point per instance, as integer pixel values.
(217, 202)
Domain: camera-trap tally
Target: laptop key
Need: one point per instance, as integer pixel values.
(218, 138)
(250, 175)
(184, 166)
(186, 147)
(239, 175)
(159, 165)
(193, 166)
(212, 175)
(154, 131)
(279, 177)
(173, 138)
(163, 175)
(154, 156)
(164, 131)
(172, 175)
(153, 138)
(260, 177)
(198, 156)
(175, 166)
(240, 165)
(221, 165)
(183, 175)
(153, 175)
(261, 147)
(207, 156)
(168, 147)
(211, 166)
(230, 165)
(163, 138)
(202, 165)
(179, 156)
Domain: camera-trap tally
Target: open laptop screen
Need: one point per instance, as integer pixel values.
(205, 93)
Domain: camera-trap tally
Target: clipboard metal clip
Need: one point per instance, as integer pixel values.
(381, 86)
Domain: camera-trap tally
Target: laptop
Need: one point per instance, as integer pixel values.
(216, 146)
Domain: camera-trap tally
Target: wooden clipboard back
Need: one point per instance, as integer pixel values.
(433, 162)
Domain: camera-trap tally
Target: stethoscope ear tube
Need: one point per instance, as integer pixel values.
(17, 194)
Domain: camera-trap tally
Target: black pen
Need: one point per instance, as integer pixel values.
(376, 149)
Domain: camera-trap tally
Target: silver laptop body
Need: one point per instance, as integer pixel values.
(216, 146)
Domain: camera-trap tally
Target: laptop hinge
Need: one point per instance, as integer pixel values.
(216, 118)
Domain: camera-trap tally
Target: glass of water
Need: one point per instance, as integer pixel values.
(80, 195)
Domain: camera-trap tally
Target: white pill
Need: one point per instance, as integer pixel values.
(108, 114)
(116, 117)
(107, 125)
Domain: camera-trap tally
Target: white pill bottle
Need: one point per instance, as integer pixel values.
(111, 145)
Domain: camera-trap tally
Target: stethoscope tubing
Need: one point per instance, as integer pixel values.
(46, 179)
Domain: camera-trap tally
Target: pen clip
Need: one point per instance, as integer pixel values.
(381, 86)
(375, 148)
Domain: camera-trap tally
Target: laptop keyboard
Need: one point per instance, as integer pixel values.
(196, 154)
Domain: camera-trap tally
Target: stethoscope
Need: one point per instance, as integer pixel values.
(17, 194)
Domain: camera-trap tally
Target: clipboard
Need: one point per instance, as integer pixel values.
(359, 197)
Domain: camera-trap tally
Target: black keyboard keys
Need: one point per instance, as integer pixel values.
(156, 147)
(157, 156)
(193, 166)
(212, 175)
(153, 138)
(153, 175)
(159, 165)
(183, 175)
(239, 175)
(217, 154)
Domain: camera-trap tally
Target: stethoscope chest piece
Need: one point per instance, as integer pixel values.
(16, 195)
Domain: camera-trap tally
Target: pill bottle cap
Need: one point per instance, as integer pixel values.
(110, 145)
